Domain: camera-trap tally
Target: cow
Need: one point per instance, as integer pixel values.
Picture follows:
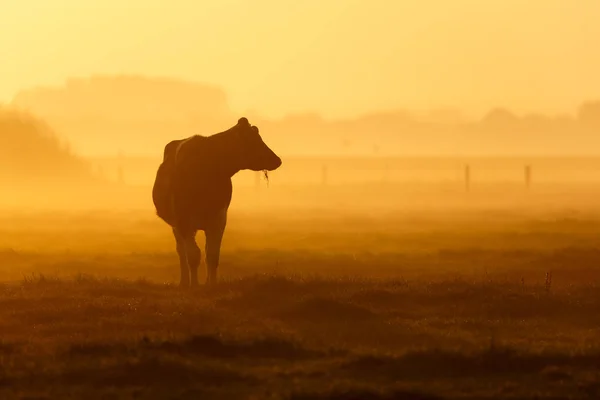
(192, 190)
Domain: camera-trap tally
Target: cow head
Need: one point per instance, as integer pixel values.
(255, 154)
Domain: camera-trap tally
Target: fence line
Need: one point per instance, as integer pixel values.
(385, 172)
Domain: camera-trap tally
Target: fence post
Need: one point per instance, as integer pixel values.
(467, 177)
(528, 176)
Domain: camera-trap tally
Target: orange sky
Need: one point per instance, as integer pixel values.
(339, 57)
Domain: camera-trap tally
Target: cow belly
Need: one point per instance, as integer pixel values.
(162, 194)
(198, 203)
(197, 212)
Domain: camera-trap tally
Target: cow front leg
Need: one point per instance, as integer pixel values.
(214, 237)
(213, 252)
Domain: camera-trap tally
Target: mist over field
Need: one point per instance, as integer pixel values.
(432, 232)
(352, 276)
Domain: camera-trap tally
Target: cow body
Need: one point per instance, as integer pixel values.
(193, 189)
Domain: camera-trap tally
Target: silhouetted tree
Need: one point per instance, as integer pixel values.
(500, 117)
(31, 151)
(588, 114)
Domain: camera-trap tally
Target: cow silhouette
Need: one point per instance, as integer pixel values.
(193, 189)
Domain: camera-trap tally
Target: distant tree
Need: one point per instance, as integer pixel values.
(500, 116)
(30, 150)
(500, 119)
(125, 98)
(589, 114)
(102, 113)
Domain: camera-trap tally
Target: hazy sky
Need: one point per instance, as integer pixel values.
(339, 57)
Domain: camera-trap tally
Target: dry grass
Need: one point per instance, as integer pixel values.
(407, 307)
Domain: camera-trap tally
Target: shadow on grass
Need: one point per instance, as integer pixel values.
(447, 364)
(364, 395)
(210, 346)
(152, 371)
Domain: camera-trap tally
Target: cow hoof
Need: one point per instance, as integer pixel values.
(184, 284)
(211, 276)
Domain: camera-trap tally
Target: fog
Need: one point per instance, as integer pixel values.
(432, 230)
(341, 58)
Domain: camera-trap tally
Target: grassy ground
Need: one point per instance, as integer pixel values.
(441, 306)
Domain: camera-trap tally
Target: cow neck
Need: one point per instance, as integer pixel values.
(225, 155)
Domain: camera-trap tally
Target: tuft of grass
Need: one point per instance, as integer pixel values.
(40, 279)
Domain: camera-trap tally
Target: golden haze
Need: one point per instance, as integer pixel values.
(432, 233)
(336, 57)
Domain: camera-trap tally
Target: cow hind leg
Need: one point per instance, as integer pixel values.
(184, 280)
(189, 257)
(194, 256)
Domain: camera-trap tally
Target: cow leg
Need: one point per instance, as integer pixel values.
(194, 256)
(214, 237)
(184, 280)
(191, 260)
(213, 252)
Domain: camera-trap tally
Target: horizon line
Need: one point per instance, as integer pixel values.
(464, 115)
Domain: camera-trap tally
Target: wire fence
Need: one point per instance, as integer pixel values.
(466, 173)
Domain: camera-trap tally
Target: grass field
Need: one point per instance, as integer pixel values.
(476, 305)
